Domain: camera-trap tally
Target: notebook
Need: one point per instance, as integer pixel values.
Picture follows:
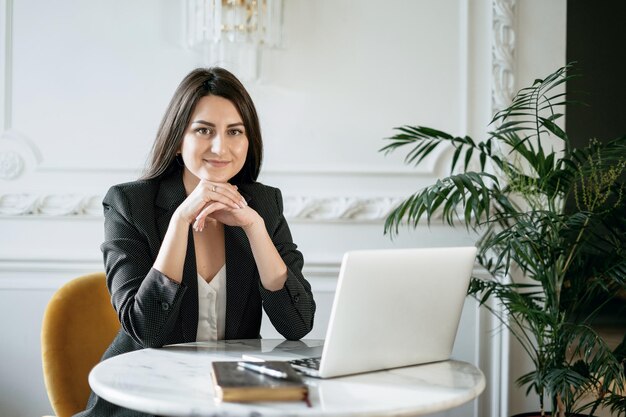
(232, 382)
(392, 308)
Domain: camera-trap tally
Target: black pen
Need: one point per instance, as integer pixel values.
(261, 369)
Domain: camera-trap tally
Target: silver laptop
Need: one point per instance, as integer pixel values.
(393, 308)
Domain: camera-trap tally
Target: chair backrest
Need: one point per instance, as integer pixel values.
(78, 325)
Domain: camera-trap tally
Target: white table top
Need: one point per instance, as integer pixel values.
(176, 381)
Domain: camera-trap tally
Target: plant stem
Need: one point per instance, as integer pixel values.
(560, 405)
(571, 254)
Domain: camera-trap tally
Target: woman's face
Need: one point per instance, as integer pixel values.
(215, 144)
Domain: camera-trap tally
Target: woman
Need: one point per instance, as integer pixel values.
(196, 247)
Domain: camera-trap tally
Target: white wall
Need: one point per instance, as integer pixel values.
(85, 84)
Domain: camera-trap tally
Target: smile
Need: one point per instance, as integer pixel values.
(216, 163)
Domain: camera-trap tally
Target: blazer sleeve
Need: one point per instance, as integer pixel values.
(146, 301)
(292, 308)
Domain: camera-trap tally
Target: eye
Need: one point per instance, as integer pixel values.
(203, 131)
(235, 132)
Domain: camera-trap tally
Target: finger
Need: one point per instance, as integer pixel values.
(233, 199)
(198, 224)
(231, 191)
(227, 194)
(223, 188)
(220, 197)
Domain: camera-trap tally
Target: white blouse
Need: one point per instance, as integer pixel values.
(212, 307)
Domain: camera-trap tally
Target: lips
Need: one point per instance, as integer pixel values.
(217, 163)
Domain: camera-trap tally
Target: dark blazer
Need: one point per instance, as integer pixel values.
(154, 310)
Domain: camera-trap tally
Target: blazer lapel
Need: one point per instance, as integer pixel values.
(170, 195)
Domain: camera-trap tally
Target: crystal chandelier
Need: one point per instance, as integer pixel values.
(230, 33)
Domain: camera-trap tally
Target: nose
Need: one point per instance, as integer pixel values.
(217, 145)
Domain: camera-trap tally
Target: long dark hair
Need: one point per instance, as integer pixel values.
(197, 84)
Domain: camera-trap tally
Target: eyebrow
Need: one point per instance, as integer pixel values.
(204, 122)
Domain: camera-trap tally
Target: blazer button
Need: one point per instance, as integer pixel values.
(296, 298)
(165, 306)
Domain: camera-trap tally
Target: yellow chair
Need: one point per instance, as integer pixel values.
(78, 325)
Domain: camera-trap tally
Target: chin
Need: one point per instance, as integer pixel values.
(212, 176)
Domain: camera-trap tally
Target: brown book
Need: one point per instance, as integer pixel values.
(233, 383)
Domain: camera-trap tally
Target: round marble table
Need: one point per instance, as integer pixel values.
(176, 381)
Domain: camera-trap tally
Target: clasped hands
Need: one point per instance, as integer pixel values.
(218, 201)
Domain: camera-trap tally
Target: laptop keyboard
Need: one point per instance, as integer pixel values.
(312, 363)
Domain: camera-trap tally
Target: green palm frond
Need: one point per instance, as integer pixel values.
(616, 403)
(470, 190)
(425, 140)
(557, 216)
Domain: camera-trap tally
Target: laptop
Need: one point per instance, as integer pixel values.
(392, 308)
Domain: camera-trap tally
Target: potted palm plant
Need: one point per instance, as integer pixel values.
(555, 218)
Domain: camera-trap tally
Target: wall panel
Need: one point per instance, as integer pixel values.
(84, 87)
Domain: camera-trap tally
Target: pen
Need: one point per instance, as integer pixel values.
(261, 369)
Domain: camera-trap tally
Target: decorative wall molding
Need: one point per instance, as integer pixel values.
(56, 205)
(502, 91)
(6, 70)
(503, 53)
(295, 208)
(17, 155)
(11, 165)
(339, 208)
